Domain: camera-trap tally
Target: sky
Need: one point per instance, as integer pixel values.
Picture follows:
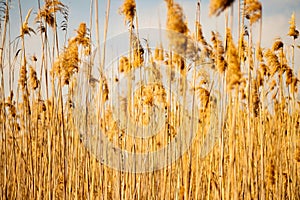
(276, 13)
(152, 14)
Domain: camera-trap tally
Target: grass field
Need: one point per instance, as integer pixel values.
(54, 102)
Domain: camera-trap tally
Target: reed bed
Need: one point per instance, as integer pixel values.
(42, 153)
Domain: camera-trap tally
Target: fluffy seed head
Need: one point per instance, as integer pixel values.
(278, 44)
(218, 6)
(253, 10)
(234, 72)
(175, 18)
(293, 32)
(33, 81)
(128, 9)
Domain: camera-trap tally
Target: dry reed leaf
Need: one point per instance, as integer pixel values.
(25, 29)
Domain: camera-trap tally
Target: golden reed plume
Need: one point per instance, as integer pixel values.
(218, 6)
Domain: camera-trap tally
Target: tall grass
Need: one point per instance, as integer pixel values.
(43, 156)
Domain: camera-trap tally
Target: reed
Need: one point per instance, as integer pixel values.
(247, 97)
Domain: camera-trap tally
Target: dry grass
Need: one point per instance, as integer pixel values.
(257, 155)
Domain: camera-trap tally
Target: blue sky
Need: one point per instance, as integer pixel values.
(152, 14)
(276, 14)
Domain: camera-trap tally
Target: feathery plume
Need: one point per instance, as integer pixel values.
(67, 63)
(83, 39)
(204, 95)
(293, 32)
(259, 53)
(278, 44)
(175, 18)
(128, 9)
(234, 72)
(49, 9)
(33, 81)
(272, 62)
(218, 6)
(253, 10)
(200, 38)
(23, 77)
(124, 64)
(199, 34)
(218, 52)
(138, 52)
